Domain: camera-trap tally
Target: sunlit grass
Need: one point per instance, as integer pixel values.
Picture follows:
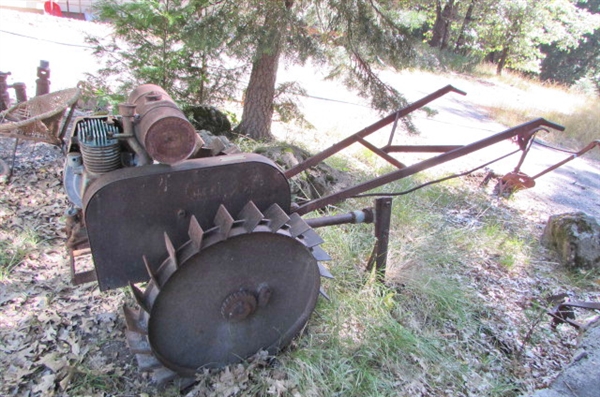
(577, 112)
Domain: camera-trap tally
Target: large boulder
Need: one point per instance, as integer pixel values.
(576, 239)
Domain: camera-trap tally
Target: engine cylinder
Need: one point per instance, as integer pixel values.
(101, 153)
(162, 128)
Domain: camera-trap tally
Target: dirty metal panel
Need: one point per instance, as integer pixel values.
(128, 211)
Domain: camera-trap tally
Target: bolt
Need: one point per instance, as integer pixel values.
(264, 295)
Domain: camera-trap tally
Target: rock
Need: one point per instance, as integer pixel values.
(217, 144)
(576, 239)
(582, 376)
(318, 181)
(209, 118)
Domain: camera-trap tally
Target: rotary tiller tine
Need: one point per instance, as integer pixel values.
(153, 278)
(171, 250)
(147, 362)
(297, 225)
(136, 320)
(196, 233)
(140, 298)
(138, 343)
(251, 216)
(310, 238)
(224, 221)
(324, 294)
(324, 271)
(320, 254)
(162, 376)
(170, 266)
(277, 217)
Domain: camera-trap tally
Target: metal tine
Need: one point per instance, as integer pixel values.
(151, 293)
(153, 277)
(297, 225)
(147, 362)
(140, 297)
(138, 343)
(251, 216)
(171, 249)
(168, 267)
(224, 220)
(324, 271)
(324, 294)
(135, 320)
(163, 375)
(277, 217)
(196, 233)
(310, 238)
(320, 254)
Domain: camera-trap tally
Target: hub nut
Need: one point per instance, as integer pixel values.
(238, 306)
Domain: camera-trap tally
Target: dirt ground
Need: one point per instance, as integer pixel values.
(335, 113)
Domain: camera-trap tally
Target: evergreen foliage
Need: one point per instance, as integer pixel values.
(572, 65)
(201, 51)
(176, 44)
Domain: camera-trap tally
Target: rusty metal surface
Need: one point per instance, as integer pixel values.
(162, 128)
(419, 148)
(563, 313)
(127, 211)
(246, 284)
(383, 214)
(586, 149)
(515, 181)
(316, 159)
(207, 314)
(523, 132)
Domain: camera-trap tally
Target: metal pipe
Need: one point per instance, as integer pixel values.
(127, 112)
(523, 129)
(589, 147)
(419, 148)
(316, 159)
(383, 216)
(360, 216)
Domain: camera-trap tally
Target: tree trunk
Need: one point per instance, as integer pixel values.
(258, 102)
(461, 41)
(441, 27)
(503, 59)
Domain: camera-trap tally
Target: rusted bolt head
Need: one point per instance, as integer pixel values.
(238, 306)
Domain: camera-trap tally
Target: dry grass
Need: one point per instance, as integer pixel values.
(579, 113)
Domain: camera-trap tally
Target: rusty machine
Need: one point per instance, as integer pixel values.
(230, 265)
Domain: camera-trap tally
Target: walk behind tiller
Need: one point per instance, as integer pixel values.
(230, 265)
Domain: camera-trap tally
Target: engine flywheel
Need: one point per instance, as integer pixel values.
(248, 284)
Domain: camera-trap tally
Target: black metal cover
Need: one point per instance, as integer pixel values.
(127, 211)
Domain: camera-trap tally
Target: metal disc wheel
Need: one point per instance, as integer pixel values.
(248, 284)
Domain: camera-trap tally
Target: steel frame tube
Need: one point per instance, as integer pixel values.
(589, 147)
(523, 130)
(361, 216)
(316, 159)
